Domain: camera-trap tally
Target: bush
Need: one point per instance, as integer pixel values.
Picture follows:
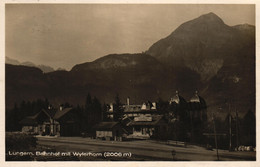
(19, 142)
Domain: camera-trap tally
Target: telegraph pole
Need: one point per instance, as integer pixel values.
(237, 127)
(230, 129)
(216, 142)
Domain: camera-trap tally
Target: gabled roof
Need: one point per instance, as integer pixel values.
(30, 120)
(49, 112)
(126, 121)
(105, 125)
(34, 116)
(60, 113)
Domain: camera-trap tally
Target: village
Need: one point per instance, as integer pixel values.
(134, 121)
(168, 127)
(173, 130)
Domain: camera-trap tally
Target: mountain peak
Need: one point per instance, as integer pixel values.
(212, 17)
(202, 44)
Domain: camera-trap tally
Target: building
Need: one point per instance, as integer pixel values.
(197, 108)
(109, 131)
(141, 120)
(190, 116)
(33, 124)
(134, 110)
(149, 126)
(178, 107)
(62, 122)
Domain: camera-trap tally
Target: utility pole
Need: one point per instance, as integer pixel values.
(237, 128)
(191, 121)
(215, 134)
(230, 129)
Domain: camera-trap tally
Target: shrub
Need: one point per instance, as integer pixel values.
(20, 141)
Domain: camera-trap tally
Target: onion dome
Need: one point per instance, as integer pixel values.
(177, 99)
(199, 101)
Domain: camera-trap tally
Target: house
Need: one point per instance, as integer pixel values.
(178, 106)
(109, 131)
(146, 126)
(62, 122)
(38, 123)
(66, 122)
(197, 108)
(133, 110)
(140, 120)
(191, 114)
(32, 124)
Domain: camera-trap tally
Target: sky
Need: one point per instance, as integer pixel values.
(63, 35)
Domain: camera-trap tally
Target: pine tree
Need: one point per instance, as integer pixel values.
(97, 111)
(87, 113)
(118, 109)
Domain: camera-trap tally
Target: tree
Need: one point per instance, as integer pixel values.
(105, 109)
(118, 109)
(97, 109)
(92, 113)
(249, 129)
(162, 106)
(87, 113)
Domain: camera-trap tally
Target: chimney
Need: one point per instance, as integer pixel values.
(128, 101)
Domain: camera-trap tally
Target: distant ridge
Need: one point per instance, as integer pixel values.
(44, 68)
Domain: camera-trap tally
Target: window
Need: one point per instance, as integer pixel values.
(137, 128)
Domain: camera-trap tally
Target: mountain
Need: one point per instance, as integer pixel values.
(120, 61)
(44, 68)
(28, 63)
(203, 54)
(139, 76)
(11, 61)
(24, 83)
(204, 45)
(60, 69)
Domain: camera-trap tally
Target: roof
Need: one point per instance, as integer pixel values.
(52, 113)
(126, 121)
(34, 116)
(197, 102)
(49, 112)
(105, 125)
(195, 98)
(132, 108)
(60, 113)
(177, 99)
(156, 120)
(30, 120)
